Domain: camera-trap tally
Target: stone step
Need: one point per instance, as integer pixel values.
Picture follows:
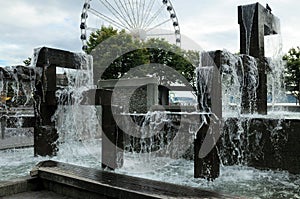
(72, 181)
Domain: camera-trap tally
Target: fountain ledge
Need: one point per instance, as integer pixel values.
(79, 182)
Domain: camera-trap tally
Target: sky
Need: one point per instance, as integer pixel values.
(212, 24)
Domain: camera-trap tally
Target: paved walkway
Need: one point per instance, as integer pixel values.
(16, 142)
(36, 195)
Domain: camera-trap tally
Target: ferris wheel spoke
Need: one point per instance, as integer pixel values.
(92, 29)
(160, 34)
(137, 13)
(128, 11)
(158, 25)
(124, 12)
(107, 19)
(142, 9)
(114, 12)
(139, 7)
(148, 12)
(154, 17)
(131, 8)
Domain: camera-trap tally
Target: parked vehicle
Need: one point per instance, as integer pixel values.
(186, 101)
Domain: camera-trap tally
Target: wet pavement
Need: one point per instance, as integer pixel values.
(37, 195)
(16, 142)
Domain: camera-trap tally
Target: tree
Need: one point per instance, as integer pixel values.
(292, 72)
(161, 52)
(110, 54)
(27, 62)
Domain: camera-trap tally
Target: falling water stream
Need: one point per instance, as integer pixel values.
(80, 142)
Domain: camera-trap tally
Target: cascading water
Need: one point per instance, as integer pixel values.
(16, 99)
(160, 135)
(240, 80)
(239, 83)
(17, 83)
(276, 88)
(80, 142)
(150, 133)
(234, 180)
(204, 87)
(243, 142)
(77, 124)
(232, 82)
(148, 127)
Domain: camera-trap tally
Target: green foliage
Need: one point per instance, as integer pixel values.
(100, 35)
(27, 62)
(292, 72)
(156, 52)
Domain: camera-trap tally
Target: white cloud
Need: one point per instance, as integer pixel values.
(210, 24)
(26, 24)
(24, 14)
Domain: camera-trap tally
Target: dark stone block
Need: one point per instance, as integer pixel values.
(45, 135)
(45, 141)
(256, 22)
(112, 139)
(19, 73)
(209, 166)
(46, 113)
(264, 143)
(59, 58)
(27, 121)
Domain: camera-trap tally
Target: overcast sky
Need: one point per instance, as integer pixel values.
(27, 24)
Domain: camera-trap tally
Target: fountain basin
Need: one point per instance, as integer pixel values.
(265, 143)
(234, 180)
(80, 182)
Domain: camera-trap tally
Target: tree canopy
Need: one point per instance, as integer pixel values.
(154, 51)
(292, 72)
(27, 62)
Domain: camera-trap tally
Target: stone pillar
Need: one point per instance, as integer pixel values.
(209, 166)
(3, 123)
(163, 95)
(206, 158)
(255, 23)
(112, 140)
(152, 95)
(45, 134)
(112, 137)
(250, 78)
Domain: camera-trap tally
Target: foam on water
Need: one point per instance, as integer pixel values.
(16, 163)
(234, 180)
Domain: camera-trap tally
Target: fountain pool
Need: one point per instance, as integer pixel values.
(236, 180)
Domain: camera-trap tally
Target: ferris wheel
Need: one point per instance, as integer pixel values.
(143, 19)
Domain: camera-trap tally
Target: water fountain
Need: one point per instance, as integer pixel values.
(56, 127)
(258, 139)
(16, 86)
(250, 137)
